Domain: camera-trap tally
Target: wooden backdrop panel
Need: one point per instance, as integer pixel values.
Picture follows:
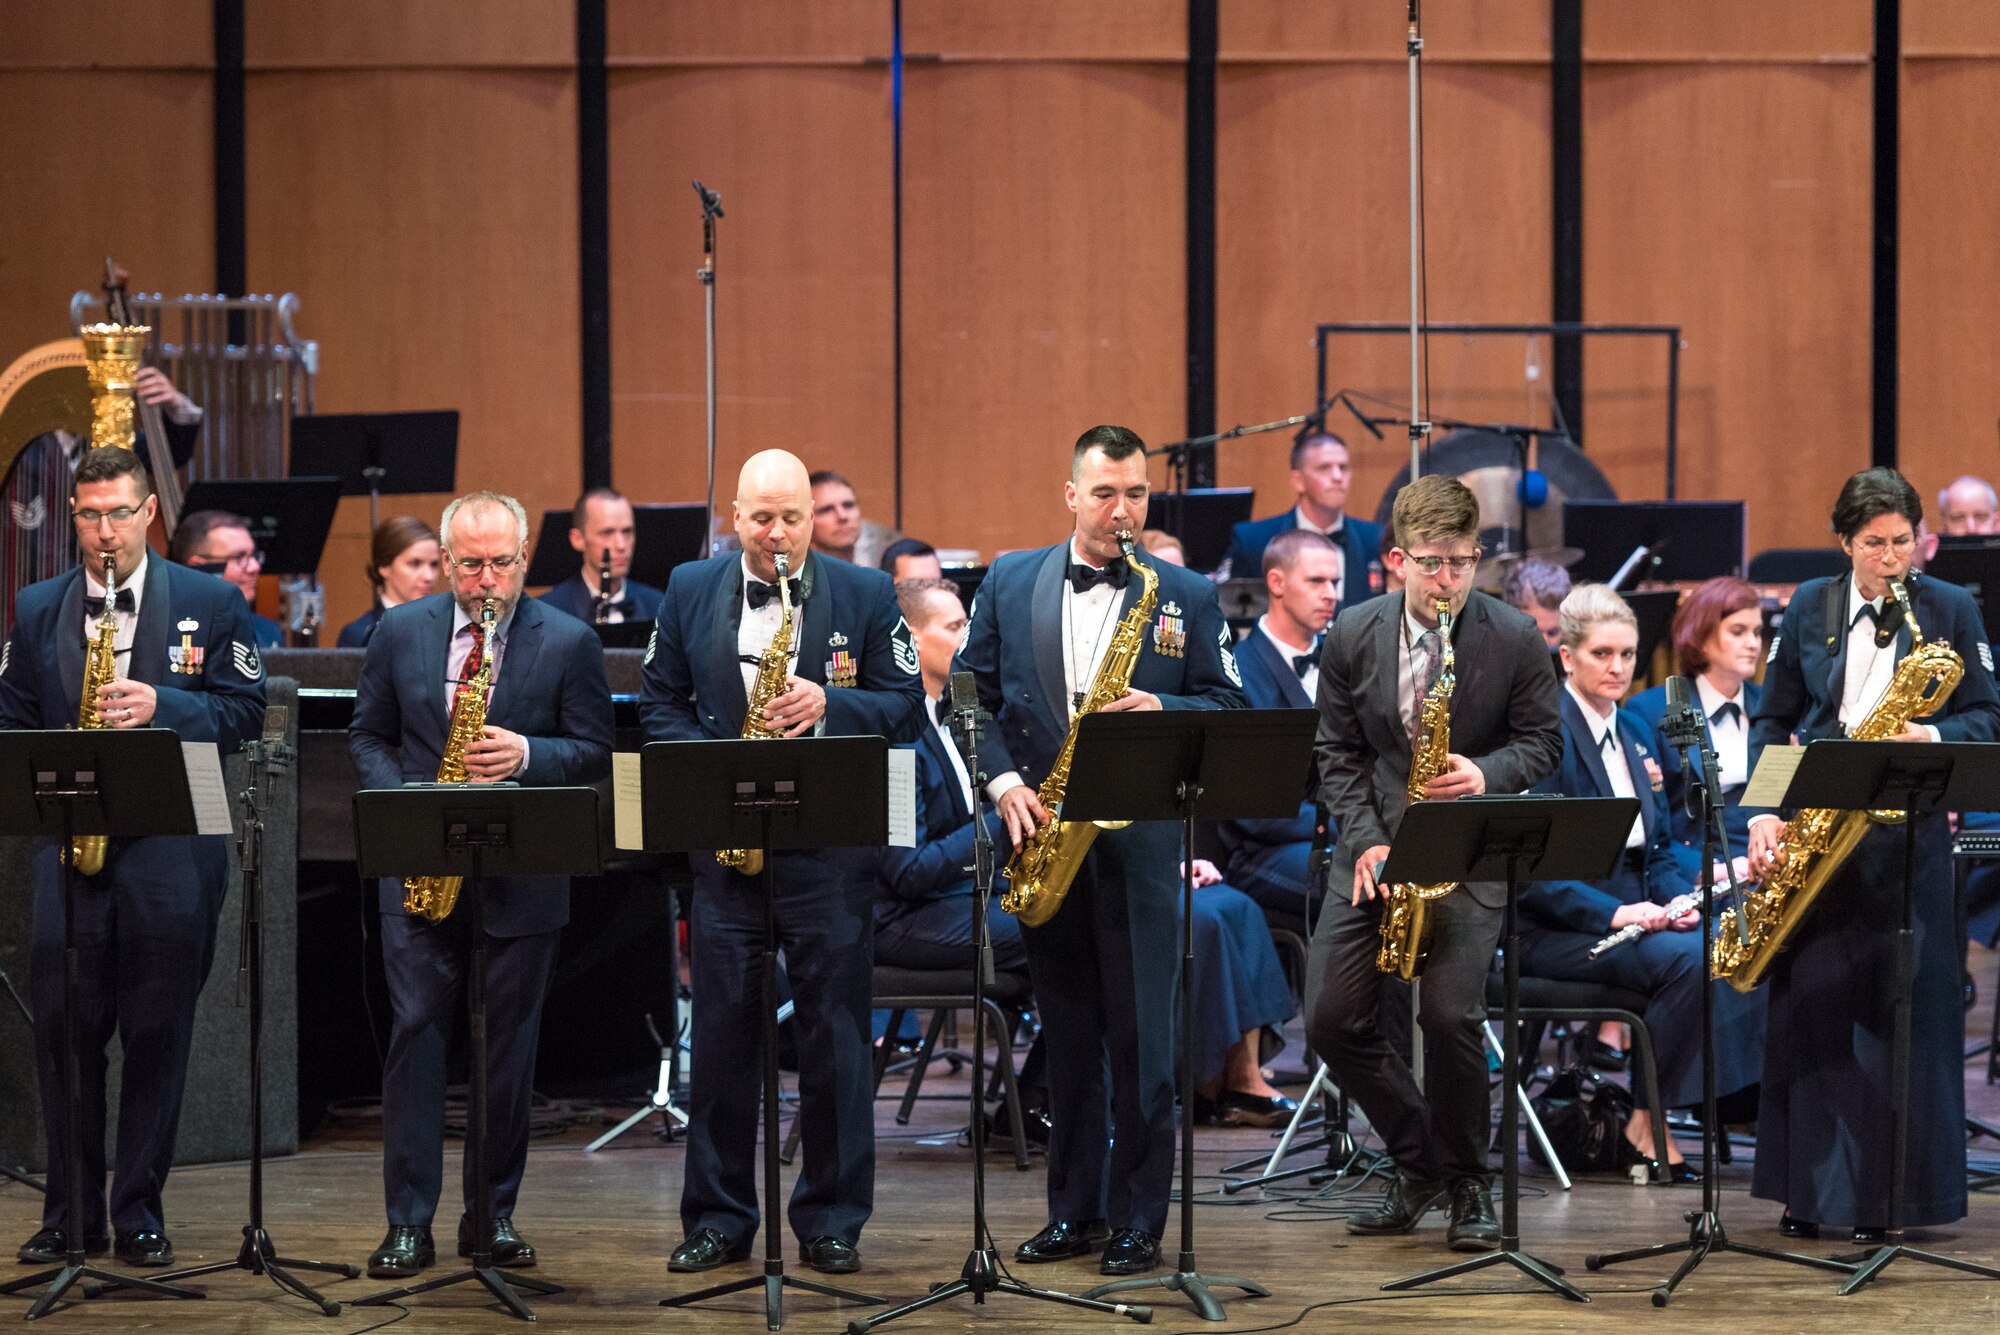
(1727, 30)
(109, 34)
(1963, 27)
(1949, 345)
(1369, 30)
(1045, 285)
(65, 136)
(428, 222)
(391, 33)
(1048, 29)
(804, 296)
(1313, 170)
(746, 31)
(1732, 199)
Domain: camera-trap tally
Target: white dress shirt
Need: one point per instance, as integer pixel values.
(757, 627)
(456, 661)
(1731, 734)
(127, 622)
(616, 615)
(1088, 620)
(1287, 652)
(1611, 749)
(1869, 669)
(1414, 661)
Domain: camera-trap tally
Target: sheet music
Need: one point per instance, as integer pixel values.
(902, 798)
(1773, 778)
(207, 787)
(628, 818)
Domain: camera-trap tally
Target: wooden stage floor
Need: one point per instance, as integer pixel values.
(604, 1223)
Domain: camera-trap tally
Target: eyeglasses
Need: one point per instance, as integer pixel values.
(500, 565)
(119, 518)
(1876, 546)
(235, 558)
(1430, 565)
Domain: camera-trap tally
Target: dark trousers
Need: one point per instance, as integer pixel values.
(1276, 879)
(825, 928)
(145, 934)
(427, 965)
(937, 934)
(1104, 971)
(1435, 1134)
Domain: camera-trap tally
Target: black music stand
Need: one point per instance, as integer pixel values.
(475, 830)
(124, 783)
(786, 793)
(1918, 779)
(289, 517)
(377, 454)
(1514, 839)
(1234, 764)
(664, 536)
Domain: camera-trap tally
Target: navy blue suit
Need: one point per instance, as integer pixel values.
(550, 689)
(693, 689)
(1649, 707)
(356, 633)
(269, 633)
(1561, 920)
(146, 923)
(1823, 1124)
(1360, 545)
(1269, 859)
(638, 602)
(1104, 966)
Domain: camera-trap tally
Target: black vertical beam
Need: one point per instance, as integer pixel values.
(896, 244)
(593, 170)
(1203, 39)
(1888, 130)
(231, 209)
(1566, 181)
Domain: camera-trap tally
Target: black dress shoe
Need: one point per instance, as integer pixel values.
(509, 1248)
(704, 1249)
(1034, 1124)
(1473, 1227)
(1063, 1240)
(1129, 1252)
(1797, 1228)
(1867, 1236)
(51, 1247)
(1405, 1202)
(1236, 1108)
(1206, 1111)
(1603, 1057)
(831, 1256)
(144, 1247)
(406, 1249)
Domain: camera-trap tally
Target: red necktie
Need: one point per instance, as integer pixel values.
(471, 669)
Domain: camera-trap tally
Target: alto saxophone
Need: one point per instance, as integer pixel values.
(100, 667)
(1039, 873)
(774, 669)
(1817, 841)
(434, 897)
(1406, 916)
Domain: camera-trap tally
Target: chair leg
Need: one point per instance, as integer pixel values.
(1010, 1092)
(1642, 1048)
(923, 1064)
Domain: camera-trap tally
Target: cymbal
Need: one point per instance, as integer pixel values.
(1555, 556)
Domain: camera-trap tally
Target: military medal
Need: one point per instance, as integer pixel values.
(185, 657)
(1170, 632)
(841, 669)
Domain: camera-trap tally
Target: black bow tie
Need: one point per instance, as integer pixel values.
(1611, 740)
(759, 593)
(1727, 709)
(123, 603)
(1084, 578)
(1869, 611)
(1303, 663)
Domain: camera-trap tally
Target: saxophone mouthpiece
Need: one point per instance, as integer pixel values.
(784, 564)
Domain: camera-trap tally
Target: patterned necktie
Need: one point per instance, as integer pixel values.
(1433, 648)
(472, 664)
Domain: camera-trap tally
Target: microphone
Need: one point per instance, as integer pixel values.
(276, 754)
(711, 200)
(1681, 724)
(966, 721)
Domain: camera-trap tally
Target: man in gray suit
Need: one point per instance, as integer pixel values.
(1379, 659)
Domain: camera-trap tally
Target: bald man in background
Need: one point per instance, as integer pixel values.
(855, 672)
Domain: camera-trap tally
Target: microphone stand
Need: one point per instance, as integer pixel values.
(711, 210)
(981, 1273)
(1686, 730)
(1176, 453)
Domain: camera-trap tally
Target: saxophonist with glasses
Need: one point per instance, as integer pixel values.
(1091, 623)
(472, 684)
(780, 641)
(1837, 669)
(164, 647)
(1382, 662)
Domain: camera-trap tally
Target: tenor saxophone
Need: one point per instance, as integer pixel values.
(1039, 873)
(434, 897)
(1817, 841)
(100, 667)
(1406, 915)
(774, 669)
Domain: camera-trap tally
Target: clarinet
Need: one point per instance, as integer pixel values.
(1686, 903)
(600, 606)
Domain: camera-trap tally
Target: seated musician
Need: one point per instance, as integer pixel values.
(1718, 635)
(1321, 472)
(218, 543)
(1538, 588)
(1607, 753)
(912, 558)
(402, 567)
(601, 531)
(1269, 859)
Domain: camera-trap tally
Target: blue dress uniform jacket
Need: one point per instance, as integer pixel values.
(1360, 545)
(1649, 707)
(1104, 966)
(1823, 1124)
(146, 923)
(693, 689)
(1268, 859)
(638, 602)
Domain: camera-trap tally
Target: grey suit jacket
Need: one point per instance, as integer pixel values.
(1504, 718)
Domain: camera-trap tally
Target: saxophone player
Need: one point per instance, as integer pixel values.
(185, 659)
(853, 670)
(1822, 1124)
(548, 722)
(1104, 966)
(1378, 662)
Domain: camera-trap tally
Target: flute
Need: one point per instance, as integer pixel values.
(1686, 903)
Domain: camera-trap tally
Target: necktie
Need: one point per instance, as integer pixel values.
(1084, 578)
(1433, 648)
(95, 606)
(472, 662)
(757, 592)
(1727, 709)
